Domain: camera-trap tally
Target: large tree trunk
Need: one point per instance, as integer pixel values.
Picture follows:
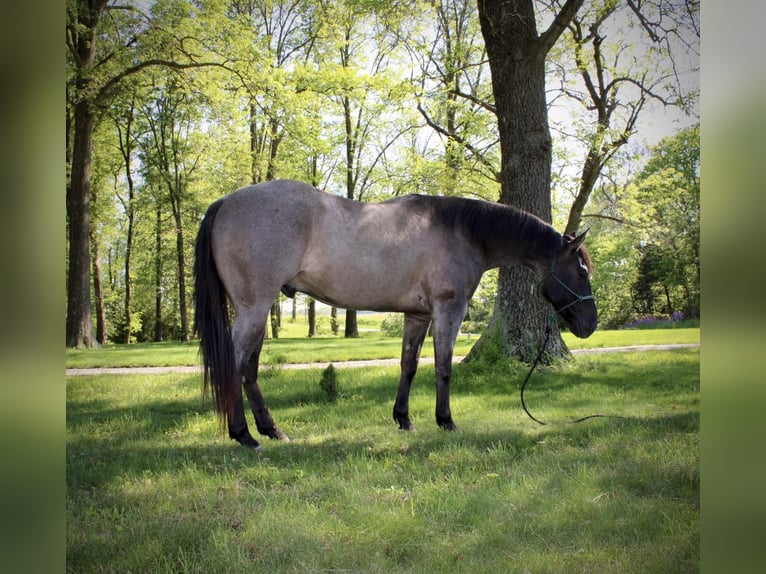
(79, 322)
(517, 61)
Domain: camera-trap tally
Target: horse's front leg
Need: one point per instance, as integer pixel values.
(415, 329)
(447, 321)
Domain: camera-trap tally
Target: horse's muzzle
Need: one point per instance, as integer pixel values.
(583, 329)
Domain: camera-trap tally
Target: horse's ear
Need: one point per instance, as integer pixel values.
(578, 241)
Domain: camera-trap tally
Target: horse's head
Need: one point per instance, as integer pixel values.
(567, 286)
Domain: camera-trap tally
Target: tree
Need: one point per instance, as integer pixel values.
(598, 68)
(83, 18)
(101, 53)
(455, 99)
(668, 188)
(517, 55)
(277, 37)
(171, 161)
(124, 121)
(517, 58)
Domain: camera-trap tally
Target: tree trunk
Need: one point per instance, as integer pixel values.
(182, 304)
(275, 140)
(590, 173)
(334, 327)
(98, 290)
(276, 317)
(255, 145)
(129, 205)
(517, 61)
(79, 322)
(158, 331)
(351, 330)
(131, 209)
(312, 317)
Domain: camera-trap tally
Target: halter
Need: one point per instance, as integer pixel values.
(578, 299)
(551, 273)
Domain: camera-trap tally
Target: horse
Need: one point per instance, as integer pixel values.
(416, 254)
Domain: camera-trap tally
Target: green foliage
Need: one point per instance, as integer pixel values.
(393, 325)
(669, 187)
(645, 242)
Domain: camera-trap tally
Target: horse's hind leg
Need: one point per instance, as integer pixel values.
(415, 329)
(263, 420)
(248, 333)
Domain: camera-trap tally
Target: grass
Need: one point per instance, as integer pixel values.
(370, 345)
(153, 485)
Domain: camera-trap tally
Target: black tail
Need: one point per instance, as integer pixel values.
(211, 321)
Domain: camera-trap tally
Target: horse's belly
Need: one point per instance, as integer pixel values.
(358, 288)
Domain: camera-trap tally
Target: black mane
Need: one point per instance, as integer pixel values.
(487, 223)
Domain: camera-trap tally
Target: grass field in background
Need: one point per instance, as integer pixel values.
(370, 345)
(154, 485)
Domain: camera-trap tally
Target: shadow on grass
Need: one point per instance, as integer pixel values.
(154, 484)
(105, 441)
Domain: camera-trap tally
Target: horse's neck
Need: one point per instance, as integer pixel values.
(533, 248)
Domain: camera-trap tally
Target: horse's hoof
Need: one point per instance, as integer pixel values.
(277, 434)
(403, 421)
(249, 442)
(448, 426)
(273, 433)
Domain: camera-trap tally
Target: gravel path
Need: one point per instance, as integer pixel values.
(351, 364)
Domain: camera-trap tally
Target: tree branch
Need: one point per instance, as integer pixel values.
(619, 220)
(481, 103)
(456, 138)
(103, 92)
(548, 38)
(644, 22)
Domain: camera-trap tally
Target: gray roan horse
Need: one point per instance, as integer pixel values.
(419, 255)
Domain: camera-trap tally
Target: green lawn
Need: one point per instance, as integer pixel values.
(153, 485)
(370, 345)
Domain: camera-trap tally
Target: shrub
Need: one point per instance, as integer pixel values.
(393, 325)
(329, 383)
